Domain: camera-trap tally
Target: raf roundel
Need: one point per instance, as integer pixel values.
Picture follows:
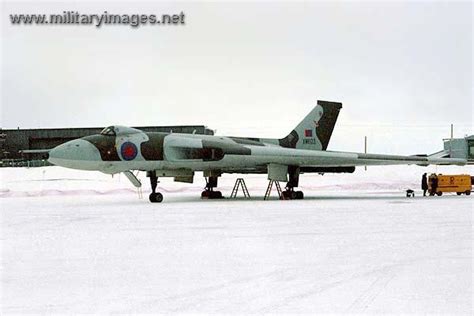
(129, 151)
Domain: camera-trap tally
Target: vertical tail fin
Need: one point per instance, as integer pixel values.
(315, 130)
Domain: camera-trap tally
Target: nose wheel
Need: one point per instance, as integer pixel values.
(155, 197)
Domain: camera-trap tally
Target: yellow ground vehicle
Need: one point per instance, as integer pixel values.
(459, 183)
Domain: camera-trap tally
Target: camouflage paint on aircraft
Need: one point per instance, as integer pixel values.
(119, 143)
(120, 148)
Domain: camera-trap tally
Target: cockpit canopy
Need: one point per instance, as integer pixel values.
(117, 130)
(108, 131)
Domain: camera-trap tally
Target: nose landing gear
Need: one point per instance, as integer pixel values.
(155, 197)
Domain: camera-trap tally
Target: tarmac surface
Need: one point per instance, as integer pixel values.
(77, 242)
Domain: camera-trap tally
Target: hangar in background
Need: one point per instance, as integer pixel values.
(15, 143)
(460, 148)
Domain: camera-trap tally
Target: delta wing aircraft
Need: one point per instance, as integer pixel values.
(124, 149)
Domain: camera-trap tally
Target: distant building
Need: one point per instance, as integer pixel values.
(14, 142)
(460, 148)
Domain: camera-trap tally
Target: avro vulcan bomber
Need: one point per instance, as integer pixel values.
(123, 149)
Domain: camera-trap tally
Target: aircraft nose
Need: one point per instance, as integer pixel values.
(76, 154)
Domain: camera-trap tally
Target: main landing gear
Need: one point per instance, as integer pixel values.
(291, 194)
(294, 177)
(209, 193)
(155, 197)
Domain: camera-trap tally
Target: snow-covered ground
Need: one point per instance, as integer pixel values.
(83, 242)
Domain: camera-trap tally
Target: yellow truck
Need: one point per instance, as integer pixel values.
(459, 183)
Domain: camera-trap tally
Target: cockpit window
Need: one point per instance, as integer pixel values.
(108, 131)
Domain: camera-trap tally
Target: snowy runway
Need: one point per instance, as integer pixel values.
(338, 251)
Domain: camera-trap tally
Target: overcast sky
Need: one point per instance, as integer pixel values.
(403, 70)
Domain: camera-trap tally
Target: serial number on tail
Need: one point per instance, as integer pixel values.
(311, 141)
